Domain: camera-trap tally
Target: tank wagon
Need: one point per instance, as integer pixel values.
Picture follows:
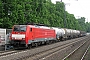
(64, 33)
(59, 33)
(34, 35)
(82, 33)
(70, 33)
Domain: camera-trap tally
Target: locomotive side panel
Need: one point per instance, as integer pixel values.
(41, 34)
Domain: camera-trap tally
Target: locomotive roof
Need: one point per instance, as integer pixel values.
(36, 26)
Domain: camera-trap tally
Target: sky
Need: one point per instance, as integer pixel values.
(80, 8)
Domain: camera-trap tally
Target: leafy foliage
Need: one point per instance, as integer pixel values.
(39, 11)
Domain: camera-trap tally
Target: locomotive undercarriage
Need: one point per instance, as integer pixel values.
(36, 44)
(17, 43)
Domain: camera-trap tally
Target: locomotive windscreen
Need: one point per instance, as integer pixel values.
(20, 28)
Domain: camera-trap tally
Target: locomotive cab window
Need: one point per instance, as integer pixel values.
(19, 28)
(23, 28)
(16, 28)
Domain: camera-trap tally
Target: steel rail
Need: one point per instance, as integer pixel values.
(85, 53)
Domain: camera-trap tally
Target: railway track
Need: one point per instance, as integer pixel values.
(32, 53)
(83, 57)
(7, 53)
(79, 53)
(42, 55)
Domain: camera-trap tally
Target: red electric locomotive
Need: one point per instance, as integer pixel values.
(29, 35)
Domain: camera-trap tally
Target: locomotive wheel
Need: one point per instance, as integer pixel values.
(47, 42)
(36, 44)
(29, 46)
